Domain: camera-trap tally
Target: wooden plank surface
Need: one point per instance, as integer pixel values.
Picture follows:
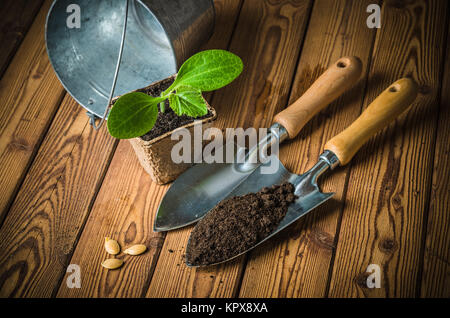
(30, 95)
(268, 38)
(125, 210)
(436, 268)
(296, 263)
(65, 187)
(387, 195)
(17, 16)
(43, 224)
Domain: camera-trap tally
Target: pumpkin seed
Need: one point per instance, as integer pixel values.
(111, 246)
(112, 263)
(136, 249)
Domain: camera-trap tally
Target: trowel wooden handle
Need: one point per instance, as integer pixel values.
(384, 109)
(336, 80)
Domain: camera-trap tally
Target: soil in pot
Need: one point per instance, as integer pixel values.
(238, 223)
(168, 120)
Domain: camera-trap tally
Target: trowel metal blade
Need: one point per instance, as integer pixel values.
(306, 188)
(198, 190)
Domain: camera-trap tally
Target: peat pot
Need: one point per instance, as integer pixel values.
(155, 155)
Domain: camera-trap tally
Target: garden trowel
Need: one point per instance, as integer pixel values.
(201, 187)
(337, 151)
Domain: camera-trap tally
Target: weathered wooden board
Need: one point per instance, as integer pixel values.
(43, 224)
(65, 187)
(17, 16)
(296, 263)
(268, 37)
(30, 95)
(388, 189)
(125, 210)
(436, 267)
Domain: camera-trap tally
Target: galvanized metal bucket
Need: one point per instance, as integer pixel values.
(146, 39)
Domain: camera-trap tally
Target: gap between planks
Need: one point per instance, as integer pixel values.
(294, 263)
(264, 30)
(38, 235)
(385, 226)
(17, 17)
(433, 279)
(28, 83)
(347, 177)
(130, 219)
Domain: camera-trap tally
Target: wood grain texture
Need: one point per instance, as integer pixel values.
(268, 37)
(30, 94)
(125, 208)
(296, 262)
(388, 189)
(436, 267)
(227, 13)
(124, 211)
(43, 224)
(63, 190)
(17, 16)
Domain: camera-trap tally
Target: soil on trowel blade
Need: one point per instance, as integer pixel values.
(238, 223)
(168, 120)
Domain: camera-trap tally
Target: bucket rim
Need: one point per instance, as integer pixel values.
(91, 111)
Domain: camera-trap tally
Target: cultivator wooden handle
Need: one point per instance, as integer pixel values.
(339, 77)
(385, 108)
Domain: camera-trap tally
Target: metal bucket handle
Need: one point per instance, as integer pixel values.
(116, 73)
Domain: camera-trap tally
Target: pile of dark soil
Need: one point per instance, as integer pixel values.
(168, 120)
(238, 223)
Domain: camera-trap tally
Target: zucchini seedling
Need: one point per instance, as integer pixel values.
(134, 114)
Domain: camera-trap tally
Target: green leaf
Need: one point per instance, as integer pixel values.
(188, 101)
(208, 70)
(133, 115)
